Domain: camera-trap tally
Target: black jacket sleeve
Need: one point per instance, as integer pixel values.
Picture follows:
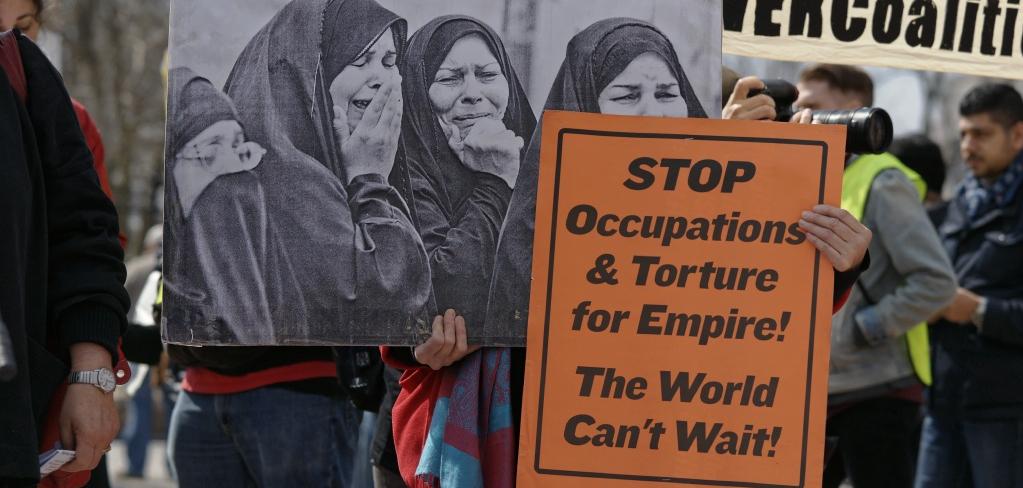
(86, 298)
(461, 242)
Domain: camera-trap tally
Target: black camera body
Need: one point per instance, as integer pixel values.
(869, 130)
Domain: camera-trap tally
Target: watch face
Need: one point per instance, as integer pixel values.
(106, 380)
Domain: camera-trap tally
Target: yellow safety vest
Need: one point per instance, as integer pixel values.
(856, 183)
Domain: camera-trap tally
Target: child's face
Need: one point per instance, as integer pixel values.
(221, 149)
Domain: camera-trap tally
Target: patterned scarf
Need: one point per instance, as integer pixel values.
(979, 199)
(471, 442)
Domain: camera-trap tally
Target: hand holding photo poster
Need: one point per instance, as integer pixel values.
(679, 328)
(341, 171)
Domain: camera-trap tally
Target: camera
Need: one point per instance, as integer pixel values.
(868, 129)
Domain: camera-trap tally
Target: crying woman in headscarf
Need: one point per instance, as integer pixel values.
(318, 85)
(466, 122)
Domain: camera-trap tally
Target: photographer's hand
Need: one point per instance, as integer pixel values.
(741, 106)
(804, 116)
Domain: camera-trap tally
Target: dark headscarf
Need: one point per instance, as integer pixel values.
(193, 105)
(280, 80)
(424, 140)
(600, 53)
(593, 59)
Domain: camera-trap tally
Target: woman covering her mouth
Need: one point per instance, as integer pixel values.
(214, 194)
(318, 87)
(467, 117)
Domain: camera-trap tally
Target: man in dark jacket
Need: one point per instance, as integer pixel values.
(974, 427)
(61, 273)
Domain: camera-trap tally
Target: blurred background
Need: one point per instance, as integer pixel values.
(111, 53)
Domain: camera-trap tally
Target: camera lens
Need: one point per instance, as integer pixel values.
(868, 130)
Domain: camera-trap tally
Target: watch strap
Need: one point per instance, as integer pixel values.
(977, 317)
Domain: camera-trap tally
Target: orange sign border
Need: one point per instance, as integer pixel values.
(555, 220)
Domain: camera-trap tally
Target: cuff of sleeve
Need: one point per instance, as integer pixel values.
(870, 331)
(368, 195)
(495, 183)
(142, 344)
(399, 357)
(844, 280)
(997, 320)
(90, 322)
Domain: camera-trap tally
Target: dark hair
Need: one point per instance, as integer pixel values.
(846, 79)
(922, 155)
(1001, 101)
(40, 7)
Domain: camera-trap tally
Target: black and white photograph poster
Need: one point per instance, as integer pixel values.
(340, 171)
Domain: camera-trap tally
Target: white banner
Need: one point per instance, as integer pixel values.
(977, 37)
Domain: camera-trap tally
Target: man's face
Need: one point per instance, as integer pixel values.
(987, 147)
(820, 95)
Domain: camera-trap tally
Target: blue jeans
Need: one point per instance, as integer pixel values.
(268, 437)
(957, 453)
(363, 477)
(138, 427)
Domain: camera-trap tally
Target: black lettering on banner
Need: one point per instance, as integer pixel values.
(674, 166)
(735, 14)
(710, 275)
(612, 385)
(803, 11)
(603, 271)
(948, 35)
(587, 213)
(845, 27)
(763, 25)
(597, 320)
(704, 176)
(737, 172)
(690, 388)
(604, 435)
(638, 168)
(713, 178)
(603, 227)
(796, 235)
(750, 441)
(887, 20)
(969, 28)
(921, 30)
(657, 320)
(987, 33)
(1009, 32)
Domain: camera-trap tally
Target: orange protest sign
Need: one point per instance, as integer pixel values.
(679, 318)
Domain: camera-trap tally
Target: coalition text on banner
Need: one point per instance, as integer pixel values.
(979, 37)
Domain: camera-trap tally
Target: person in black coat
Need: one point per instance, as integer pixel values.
(62, 293)
(974, 425)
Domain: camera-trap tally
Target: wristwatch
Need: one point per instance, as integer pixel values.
(101, 378)
(977, 317)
